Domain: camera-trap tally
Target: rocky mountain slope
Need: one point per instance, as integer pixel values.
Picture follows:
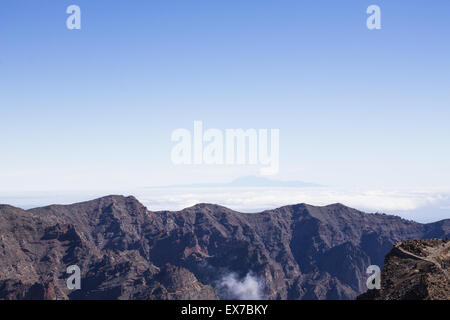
(125, 251)
(415, 270)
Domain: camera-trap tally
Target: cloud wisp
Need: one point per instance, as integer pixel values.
(248, 288)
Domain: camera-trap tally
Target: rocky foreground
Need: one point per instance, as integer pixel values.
(415, 270)
(125, 251)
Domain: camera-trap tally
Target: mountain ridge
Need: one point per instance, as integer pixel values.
(292, 250)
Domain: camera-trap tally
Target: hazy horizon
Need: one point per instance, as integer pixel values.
(362, 112)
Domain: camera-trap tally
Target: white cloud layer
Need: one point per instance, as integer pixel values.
(431, 203)
(420, 205)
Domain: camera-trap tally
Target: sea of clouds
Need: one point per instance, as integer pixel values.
(420, 205)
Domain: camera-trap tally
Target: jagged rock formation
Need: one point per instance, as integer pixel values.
(415, 270)
(125, 251)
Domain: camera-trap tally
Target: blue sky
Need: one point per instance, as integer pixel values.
(94, 108)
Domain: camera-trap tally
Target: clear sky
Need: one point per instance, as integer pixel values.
(95, 108)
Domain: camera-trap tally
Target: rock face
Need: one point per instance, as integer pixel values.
(415, 270)
(125, 251)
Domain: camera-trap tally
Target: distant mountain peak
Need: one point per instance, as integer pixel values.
(247, 181)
